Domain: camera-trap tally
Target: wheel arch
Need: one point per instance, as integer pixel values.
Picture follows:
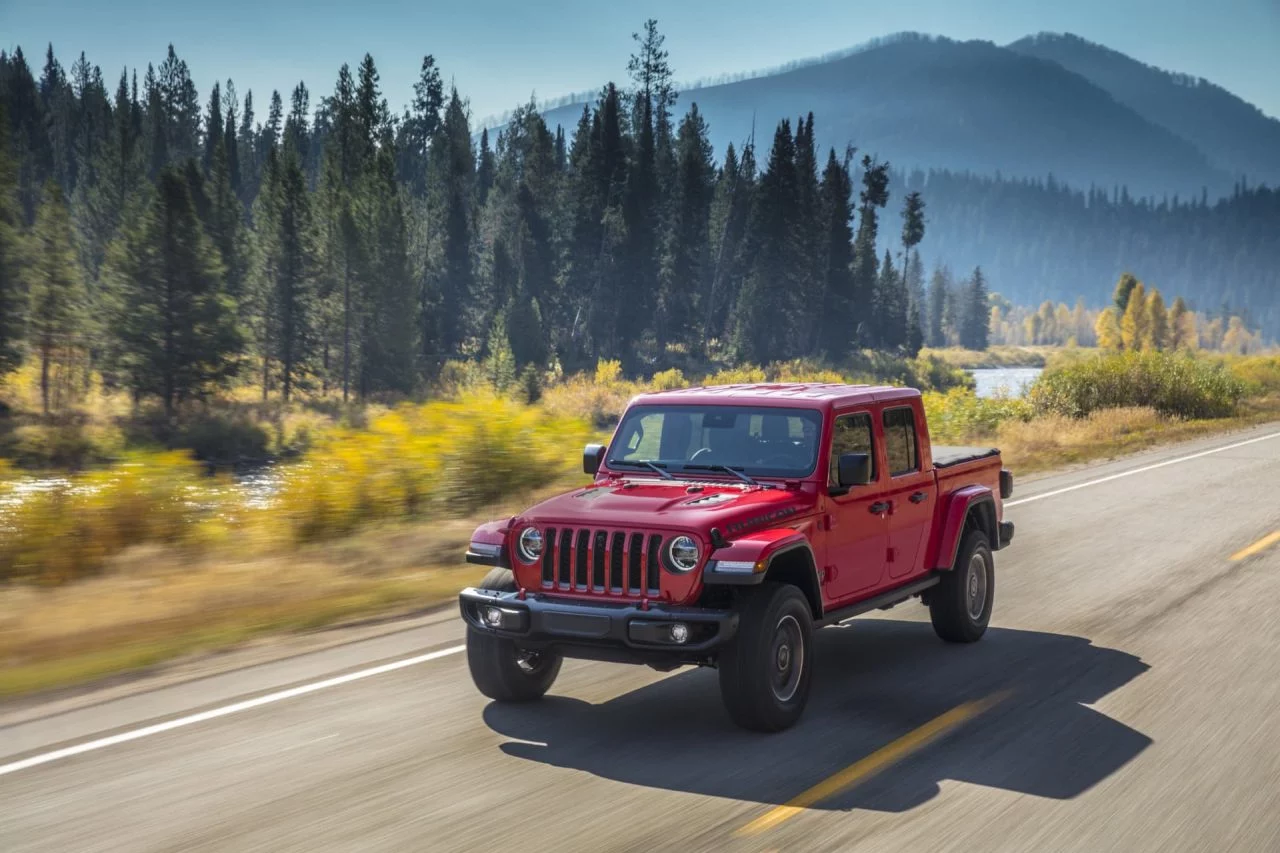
(795, 565)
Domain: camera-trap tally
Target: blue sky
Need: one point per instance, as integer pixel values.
(501, 51)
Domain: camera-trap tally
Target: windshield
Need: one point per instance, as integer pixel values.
(759, 441)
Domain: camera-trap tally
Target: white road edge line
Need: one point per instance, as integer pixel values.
(214, 713)
(302, 690)
(1144, 468)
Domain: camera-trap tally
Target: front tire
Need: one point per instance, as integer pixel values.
(766, 671)
(960, 605)
(502, 670)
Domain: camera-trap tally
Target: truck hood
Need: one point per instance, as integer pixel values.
(672, 505)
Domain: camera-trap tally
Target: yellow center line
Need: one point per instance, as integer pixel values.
(879, 760)
(1261, 545)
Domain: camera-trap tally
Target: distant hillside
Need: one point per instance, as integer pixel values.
(964, 106)
(1235, 135)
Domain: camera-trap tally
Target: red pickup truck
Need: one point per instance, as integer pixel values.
(723, 526)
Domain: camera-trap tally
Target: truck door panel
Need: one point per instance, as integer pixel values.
(911, 491)
(856, 538)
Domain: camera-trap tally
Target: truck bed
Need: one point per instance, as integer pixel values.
(945, 456)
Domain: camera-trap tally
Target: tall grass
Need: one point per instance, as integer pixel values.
(1175, 384)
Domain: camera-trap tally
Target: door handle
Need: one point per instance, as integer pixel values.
(880, 507)
(919, 497)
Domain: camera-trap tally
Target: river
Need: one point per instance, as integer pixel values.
(1011, 381)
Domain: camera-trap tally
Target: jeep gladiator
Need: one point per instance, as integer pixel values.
(723, 526)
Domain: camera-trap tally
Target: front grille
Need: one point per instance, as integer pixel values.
(608, 562)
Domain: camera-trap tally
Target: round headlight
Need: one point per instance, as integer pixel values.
(682, 554)
(530, 545)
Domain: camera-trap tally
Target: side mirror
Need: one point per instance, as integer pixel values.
(592, 456)
(854, 469)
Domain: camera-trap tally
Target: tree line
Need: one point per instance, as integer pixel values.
(177, 243)
(1042, 239)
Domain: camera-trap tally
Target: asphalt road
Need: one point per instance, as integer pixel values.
(1127, 698)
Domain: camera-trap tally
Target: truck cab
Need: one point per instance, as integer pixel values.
(723, 525)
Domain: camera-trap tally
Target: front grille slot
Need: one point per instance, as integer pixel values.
(549, 556)
(635, 567)
(599, 545)
(616, 560)
(580, 560)
(566, 557)
(653, 571)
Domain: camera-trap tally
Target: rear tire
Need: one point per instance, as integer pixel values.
(766, 671)
(502, 670)
(960, 605)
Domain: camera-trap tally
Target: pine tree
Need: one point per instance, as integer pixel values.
(1181, 326)
(250, 154)
(977, 314)
(269, 134)
(484, 169)
(387, 344)
(810, 279)
(868, 315)
(687, 267)
(212, 125)
(174, 330)
(13, 261)
(641, 217)
(293, 288)
(912, 274)
(456, 170)
(762, 330)
(835, 331)
(935, 335)
(419, 126)
(891, 299)
(1135, 324)
(230, 142)
(1124, 287)
(731, 212)
(1157, 331)
(56, 289)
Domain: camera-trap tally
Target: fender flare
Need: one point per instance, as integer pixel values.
(962, 504)
(748, 561)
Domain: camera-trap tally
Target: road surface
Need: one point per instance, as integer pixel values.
(1127, 698)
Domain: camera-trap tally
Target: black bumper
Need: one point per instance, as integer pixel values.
(1006, 533)
(623, 633)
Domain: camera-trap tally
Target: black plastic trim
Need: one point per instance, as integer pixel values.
(570, 625)
(882, 601)
(498, 561)
(1006, 533)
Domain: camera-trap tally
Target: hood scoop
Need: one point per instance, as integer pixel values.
(712, 499)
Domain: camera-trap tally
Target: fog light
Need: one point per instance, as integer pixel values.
(493, 617)
(679, 633)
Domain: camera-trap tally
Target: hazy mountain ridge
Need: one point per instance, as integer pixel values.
(929, 102)
(1235, 135)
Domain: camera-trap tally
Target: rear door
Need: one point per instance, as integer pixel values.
(855, 519)
(910, 491)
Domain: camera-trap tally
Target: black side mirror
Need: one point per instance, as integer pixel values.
(592, 456)
(854, 469)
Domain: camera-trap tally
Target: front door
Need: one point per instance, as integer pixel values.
(910, 492)
(856, 524)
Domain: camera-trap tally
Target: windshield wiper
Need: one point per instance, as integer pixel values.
(725, 468)
(656, 467)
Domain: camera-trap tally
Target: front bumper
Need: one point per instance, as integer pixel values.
(624, 633)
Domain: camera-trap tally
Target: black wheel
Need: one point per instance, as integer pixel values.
(766, 671)
(501, 669)
(960, 606)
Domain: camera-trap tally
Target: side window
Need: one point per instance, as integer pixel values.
(851, 434)
(900, 441)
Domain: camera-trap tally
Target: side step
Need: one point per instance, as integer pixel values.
(883, 601)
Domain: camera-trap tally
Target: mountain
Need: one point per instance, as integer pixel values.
(925, 102)
(1236, 136)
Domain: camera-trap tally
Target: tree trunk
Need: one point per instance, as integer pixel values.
(346, 330)
(44, 376)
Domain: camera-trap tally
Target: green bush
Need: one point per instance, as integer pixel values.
(959, 415)
(1175, 384)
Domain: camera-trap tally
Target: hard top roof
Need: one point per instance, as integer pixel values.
(791, 394)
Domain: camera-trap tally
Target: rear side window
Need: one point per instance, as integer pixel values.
(900, 441)
(851, 434)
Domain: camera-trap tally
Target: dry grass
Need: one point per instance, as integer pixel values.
(996, 356)
(1054, 441)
